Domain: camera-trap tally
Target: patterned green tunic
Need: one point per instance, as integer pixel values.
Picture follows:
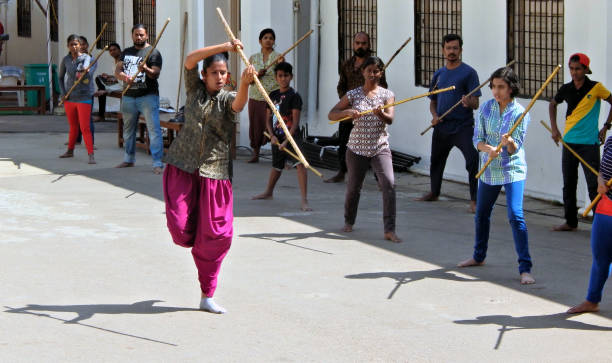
(267, 81)
(204, 141)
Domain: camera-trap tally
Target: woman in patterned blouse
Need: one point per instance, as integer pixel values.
(197, 181)
(257, 104)
(601, 237)
(368, 144)
(508, 168)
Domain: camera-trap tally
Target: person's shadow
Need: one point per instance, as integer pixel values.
(551, 321)
(85, 312)
(402, 278)
(287, 238)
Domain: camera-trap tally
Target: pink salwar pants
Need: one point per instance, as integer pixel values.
(199, 214)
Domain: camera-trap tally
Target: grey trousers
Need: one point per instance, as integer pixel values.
(358, 166)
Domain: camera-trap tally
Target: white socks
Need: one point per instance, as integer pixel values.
(208, 304)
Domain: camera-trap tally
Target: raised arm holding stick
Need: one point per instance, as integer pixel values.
(230, 34)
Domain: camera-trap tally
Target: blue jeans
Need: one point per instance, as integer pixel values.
(601, 247)
(131, 108)
(487, 195)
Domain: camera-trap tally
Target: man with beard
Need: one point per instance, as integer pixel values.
(457, 128)
(350, 78)
(141, 98)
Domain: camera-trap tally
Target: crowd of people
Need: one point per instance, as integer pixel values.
(197, 177)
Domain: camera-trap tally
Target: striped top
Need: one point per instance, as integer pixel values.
(605, 167)
(489, 127)
(369, 135)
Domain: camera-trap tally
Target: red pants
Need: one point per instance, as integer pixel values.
(78, 115)
(199, 214)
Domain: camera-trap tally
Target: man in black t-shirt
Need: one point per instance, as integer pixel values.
(141, 98)
(289, 105)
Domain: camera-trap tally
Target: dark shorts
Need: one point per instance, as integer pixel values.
(280, 157)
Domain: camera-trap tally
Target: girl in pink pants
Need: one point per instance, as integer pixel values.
(197, 180)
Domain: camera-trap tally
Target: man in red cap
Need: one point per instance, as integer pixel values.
(583, 97)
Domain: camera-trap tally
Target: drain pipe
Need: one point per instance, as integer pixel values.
(313, 66)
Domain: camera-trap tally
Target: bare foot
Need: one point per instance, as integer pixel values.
(67, 154)
(262, 196)
(158, 170)
(391, 236)
(527, 279)
(305, 207)
(125, 165)
(91, 159)
(254, 159)
(564, 228)
(338, 178)
(470, 262)
(585, 307)
(429, 197)
(472, 206)
(347, 228)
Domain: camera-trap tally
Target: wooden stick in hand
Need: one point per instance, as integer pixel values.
(292, 154)
(83, 76)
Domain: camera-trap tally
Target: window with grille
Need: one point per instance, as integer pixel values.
(24, 18)
(433, 19)
(355, 16)
(535, 41)
(105, 13)
(144, 13)
(53, 28)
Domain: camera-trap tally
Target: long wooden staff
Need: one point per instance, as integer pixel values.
(132, 78)
(520, 119)
(288, 50)
(230, 34)
(398, 103)
(293, 155)
(83, 76)
(97, 39)
(396, 53)
(459, 102)
(181, 69)
(571, 150)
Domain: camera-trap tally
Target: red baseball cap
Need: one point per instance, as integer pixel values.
(582, 59)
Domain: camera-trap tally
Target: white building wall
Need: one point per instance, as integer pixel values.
(20, 51)
(484, 33)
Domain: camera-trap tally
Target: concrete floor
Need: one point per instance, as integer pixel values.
(88, 270)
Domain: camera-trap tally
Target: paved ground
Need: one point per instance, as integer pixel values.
(88, 271)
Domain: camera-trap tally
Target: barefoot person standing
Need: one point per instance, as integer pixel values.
(368, 144)
(197, 181)
(508, 168)
(601, 237)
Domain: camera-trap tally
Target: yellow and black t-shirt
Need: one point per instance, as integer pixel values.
(581, 122)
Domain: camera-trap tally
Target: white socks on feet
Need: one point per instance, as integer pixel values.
(208, 304)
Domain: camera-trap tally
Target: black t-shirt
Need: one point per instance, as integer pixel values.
(143, 85)
(573, 96)
(285, 102)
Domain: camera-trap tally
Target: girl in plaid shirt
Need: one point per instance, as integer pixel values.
(508, 169)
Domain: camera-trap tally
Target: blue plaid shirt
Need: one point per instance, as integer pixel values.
(489, 128)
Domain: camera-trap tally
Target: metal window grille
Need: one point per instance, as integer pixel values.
(433, 20)
(535, 41)
(24, 18)
(355, 16)
(53, 28)
(144, 13)
(105, 13)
